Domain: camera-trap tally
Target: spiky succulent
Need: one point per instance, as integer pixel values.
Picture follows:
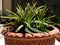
(31, 18)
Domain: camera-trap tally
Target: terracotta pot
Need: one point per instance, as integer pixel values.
(50, 40)
(44, 40)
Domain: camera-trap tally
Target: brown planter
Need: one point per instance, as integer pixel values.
(50, 40)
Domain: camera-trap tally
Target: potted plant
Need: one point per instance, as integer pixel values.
(29, 27)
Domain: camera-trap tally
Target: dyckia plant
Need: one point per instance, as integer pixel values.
(31, 19)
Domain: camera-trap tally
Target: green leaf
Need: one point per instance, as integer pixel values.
(20, 11)
(36, 30)
(28, 24)
(29, 13)
(37, 21)
(12, 12)
(28, 31)
(42, 12)
(9, 17)
(19, 28)
(50, 17)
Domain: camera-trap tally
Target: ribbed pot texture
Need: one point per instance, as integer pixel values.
(50, 40)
